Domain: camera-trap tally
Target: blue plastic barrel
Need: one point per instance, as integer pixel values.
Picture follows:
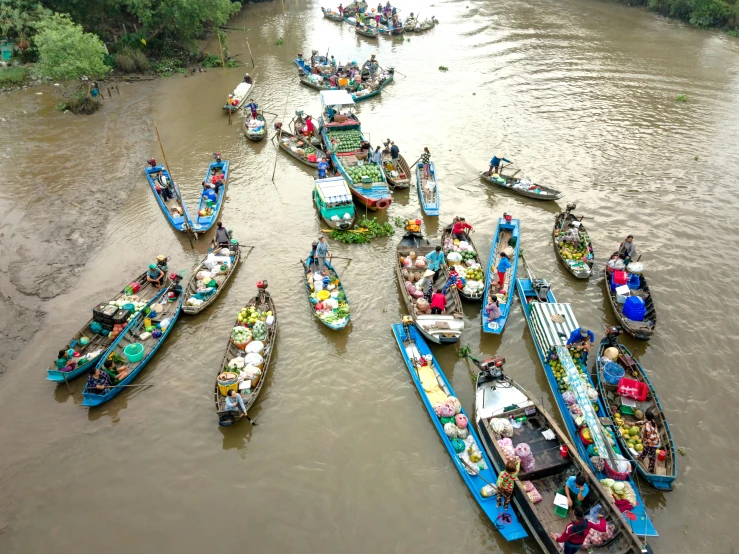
(612, 373)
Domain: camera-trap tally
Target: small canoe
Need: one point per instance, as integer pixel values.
(548, 323)
(334, 201)
(164, 310)
(578, 260)
(641, 330)
(507, 235)
(665, 470)
(337, 318)
(497, 396)
(255, 128)
(305, 65)
(428, 190)
(410, 25)
(397, 177)
(240, 93)
(299, 148)
(434, 388)
(368, 93)
(427, 25)
(197, 300)
(368, 32)
(99, 344)
(521, 186)
(353, 8)
(323, 85)
(328, 13)
(248, 389)
(439, 328)
(470, 273)
(204, 223)
(170, 207)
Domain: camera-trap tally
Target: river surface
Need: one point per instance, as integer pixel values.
(579, 93)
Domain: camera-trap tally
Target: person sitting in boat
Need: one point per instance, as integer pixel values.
(438, 302)
(232, 101)
(506, 482)
(576, 490)
(155, 276)
(322, 166)
(253, 107)
(576, 531)
(162, 263)
(64, 361)
(578, 340)
(235, 403)
(97, 382)
(492, 309)
(208, 193)
(376, 156)
(572, 236)
(223, 238)
(503, 266)
(650, 440)
(460, 227)
(495, 164)
(435, 260)
(627, 250)
(248, 80)
(115, 372)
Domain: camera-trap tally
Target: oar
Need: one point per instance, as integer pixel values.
(123, 386)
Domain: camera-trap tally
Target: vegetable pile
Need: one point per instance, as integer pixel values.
(462, 257)
(577, 257)
(251, 324)
(348, 140)
(328, 298)
(364, 232)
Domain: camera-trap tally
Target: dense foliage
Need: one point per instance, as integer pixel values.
(701, 13)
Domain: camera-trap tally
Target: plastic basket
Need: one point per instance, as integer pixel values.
(634, 308)
(631, 388)
(613, 373)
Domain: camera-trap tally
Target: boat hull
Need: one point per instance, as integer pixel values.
(551, 194)
(194, 310)
(308, 264)
(633, 328)
(429, 206)
(503, 230)
(203, 224)
(182, 223)
(562, 222)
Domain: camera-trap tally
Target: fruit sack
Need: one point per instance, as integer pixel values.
(421, 262)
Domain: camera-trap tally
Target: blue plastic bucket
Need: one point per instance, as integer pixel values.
(134, 352)
(612, 373)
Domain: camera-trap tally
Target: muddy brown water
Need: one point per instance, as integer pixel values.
(580, 94)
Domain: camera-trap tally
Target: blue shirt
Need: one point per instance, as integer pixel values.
(573, 487)
(322, 169)
(234, 403)
(252, 106)
(435, 259)
(496, 161)
(394, 152)
(322, 249)
(154, 273)
(503, 265)
(576, 336)
(211, 195)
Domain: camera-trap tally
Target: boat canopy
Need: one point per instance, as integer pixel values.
(336, 98)
(334, 191)
(548, 321)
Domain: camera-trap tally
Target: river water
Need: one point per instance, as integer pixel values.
(579, 93)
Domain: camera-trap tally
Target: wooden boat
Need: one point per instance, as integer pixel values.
(513, 184)
(353, 8)
(328, 13)
(171, 207)
(262, 302)
(403, 172)
(252, 128)
(641, 330)
(99, 344)
(665, 470)
(306, 67)
(507, 236)
(240, 93)
(300, 149)
(410, 24)
(164, 309)
(368, 31)
(466, 293)
(439, 328)
(375, 194)
(434, 388)
(306, 80)
(334, 201)
(204, 223)
(423, 26)
(497, 396)
(340, 316)
(549, 322)
(580, 267)
(205, 299)
(366, 94)
(428, 190)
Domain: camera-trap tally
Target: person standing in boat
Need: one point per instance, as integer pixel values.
(627, 250)
(578, 340)
(503, 266)
(341, 10)
(575, 533)
(253, 107)
(435, 260)
(223, 238)
(322, 167)
(506, 482)
(376, 156)
(426, 160)
(495, 164)
(321, 253)
(333, 64)
(395, 154)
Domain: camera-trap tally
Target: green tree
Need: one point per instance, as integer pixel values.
(19, 18)
(66, 52)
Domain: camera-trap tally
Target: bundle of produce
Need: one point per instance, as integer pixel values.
(240, 336)
(249, 317)
(631, 434)
(421, 262)
(528, 463)
(575, 255)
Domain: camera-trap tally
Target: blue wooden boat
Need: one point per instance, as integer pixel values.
(163, 310)
(203, 223)
(433, 388)
(428, 190)
(665, 470)
(507, 232)
(170, 208)
(98, 342)
(548, 321)
(306, 67)
(366, 96)
(334, 201)
(340, 317)
(195, 302)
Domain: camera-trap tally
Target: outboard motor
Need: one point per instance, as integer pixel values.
(541, 287)
(507, 217)
(571, 207)
(612, 332)
(152, 162)
(491, 370)
(217, 157)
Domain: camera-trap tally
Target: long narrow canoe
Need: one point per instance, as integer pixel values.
(504, 233)
(203, 223)
(262, 302)
(299, 148)
(256, 132)
(170, 208)
(546, 320)
(367, 32)
(306, 67)
(642, 330)
(428, 190)
(164, 310)
(665, 470)
(470, 294)
(206, 299)
(433, 387)
(578, 259)
(339, 317)
(306, 80)
(500, 397)
(99, 343)
(328, 13)
(366, 94)
(439, 328)
(397, 177)
(519, 186)
(240, 93)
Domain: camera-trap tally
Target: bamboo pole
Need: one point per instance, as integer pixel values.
(279, 137)
(225, 76)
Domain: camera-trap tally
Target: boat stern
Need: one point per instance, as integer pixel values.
(440, 329)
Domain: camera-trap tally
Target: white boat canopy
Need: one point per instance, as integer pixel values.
(336, 98)
(334, 191)
(549, 320)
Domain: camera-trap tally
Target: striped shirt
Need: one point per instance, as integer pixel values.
(426, 157)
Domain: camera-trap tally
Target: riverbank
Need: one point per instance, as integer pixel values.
(721, 15)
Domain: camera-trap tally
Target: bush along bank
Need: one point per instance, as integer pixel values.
(706, 14)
